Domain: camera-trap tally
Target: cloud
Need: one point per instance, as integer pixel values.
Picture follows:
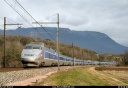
(107, 16)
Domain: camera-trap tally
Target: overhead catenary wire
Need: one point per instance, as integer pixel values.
(19, 27)
(34, 19)
(20, 15)
(12, 20)
(30, 16)
(16, 2)
(17, 11)
(12, 31)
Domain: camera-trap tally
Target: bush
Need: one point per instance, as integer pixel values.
(125, 59)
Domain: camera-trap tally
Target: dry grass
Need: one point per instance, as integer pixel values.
(73, 77)
(120, 75)
(86, 76)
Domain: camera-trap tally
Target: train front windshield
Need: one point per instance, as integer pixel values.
(32, 47)
(28, 47)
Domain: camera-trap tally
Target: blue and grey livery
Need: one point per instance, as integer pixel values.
(36, 54)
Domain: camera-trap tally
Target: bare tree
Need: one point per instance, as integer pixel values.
(125, 59)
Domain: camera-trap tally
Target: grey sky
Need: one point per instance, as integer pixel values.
(106, 16)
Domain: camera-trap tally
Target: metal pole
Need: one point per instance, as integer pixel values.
(73, 55)
(91, 59)
(58, 46)
(57, 37)
(4, 63)
(83, 56)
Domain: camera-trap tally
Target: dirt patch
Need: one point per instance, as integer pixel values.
(112, 68)
(109, 76)
(30, 81)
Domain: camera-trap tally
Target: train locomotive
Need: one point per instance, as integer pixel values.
(36, 54)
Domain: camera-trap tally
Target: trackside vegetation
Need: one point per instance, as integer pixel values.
(15, 44)
(78, 76)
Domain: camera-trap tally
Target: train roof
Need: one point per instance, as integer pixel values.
(40, 43)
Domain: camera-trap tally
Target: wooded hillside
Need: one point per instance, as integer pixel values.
(15, 44)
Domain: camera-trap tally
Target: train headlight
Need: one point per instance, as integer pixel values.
(41, 55)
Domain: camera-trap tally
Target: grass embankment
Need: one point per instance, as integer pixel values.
(119, 73)
(78, 76)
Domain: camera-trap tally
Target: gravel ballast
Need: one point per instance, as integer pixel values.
(14, 76)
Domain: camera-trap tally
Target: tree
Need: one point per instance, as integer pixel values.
(125, 59)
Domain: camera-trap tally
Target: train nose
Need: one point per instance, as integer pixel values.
(29, 55)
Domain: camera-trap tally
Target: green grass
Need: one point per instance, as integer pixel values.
(73, 77)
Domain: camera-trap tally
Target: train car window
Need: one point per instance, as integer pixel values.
(51, 56)
(36, 47)
(55, 57)
(46, 55)
(28, 47)
(64, 58)
(61, 58)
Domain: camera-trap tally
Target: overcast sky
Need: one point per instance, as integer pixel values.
(106, 16)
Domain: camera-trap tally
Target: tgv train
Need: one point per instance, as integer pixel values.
(36, 54)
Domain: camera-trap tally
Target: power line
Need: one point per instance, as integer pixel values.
(13, 31)
(16, 2)
(18, 12)
(12, 21)
(34, 18)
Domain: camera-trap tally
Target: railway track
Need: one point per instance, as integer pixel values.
(11, 75)
(8, 69)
